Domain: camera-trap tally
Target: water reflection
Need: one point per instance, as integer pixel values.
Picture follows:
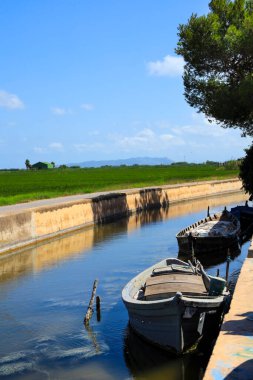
(212, 258)
(148, 362)
(45, 292)
(48, 255)
(196, 205)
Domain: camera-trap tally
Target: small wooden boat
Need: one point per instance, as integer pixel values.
(167, 303)
(217, 232)
(245, 215)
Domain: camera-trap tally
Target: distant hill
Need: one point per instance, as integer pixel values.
(128, 162)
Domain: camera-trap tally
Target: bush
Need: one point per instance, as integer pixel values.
(246, 171)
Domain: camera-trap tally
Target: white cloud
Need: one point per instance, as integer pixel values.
(39, 149)
(200, 127)
(60, 111)
(163, 125)
(145, 136)
(10, 101)
(56, 145)
(196, 141)
(167, 137)
(201, 118)
(87, 106)
(147, 140)
(88, 147)
(170, 66)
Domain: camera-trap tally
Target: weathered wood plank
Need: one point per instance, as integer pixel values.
(173, 288)
(174, 278)
(172, 283)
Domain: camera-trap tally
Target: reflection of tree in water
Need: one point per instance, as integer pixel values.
(148, 362)
(213, 258)
(152, 216)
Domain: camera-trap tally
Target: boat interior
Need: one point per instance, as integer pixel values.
(220, 224)
(165, 282)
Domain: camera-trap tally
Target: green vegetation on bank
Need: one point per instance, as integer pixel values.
(26, 185)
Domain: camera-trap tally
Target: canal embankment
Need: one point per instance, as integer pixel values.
(29, 223)
(232, 357)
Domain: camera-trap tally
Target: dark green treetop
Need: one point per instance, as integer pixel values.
(246, 171)
(28, 164)
(218, 53)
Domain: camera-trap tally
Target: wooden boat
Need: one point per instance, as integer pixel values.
(217, 232)
(245, 215)
(167, 303)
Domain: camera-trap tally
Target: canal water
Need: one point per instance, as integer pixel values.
(45, 291)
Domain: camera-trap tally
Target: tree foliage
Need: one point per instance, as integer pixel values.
(246, 171)
(28, 164)
(218, 53)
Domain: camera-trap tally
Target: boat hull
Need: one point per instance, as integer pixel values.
(205, 245)
(165, 325)
(174, 323)
(191, 240)
(158, 323)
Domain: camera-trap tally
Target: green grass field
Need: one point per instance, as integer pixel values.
(23, 186)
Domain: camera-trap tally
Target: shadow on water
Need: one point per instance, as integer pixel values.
(211, 258)
(242, 371)
(148, 362)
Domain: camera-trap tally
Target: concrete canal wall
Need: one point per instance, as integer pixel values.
(26, 224)
(232, 357)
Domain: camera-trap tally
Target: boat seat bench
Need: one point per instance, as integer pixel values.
(171, 268)
(167, 285)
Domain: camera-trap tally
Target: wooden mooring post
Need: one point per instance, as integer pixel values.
(98, 308)
(227, 264)
(90, 309)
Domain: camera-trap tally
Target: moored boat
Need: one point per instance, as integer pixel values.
(244, 214)
(167, 303)
(216, 232)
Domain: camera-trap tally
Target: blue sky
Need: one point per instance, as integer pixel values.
(95, 80)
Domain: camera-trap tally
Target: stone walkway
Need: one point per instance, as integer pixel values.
(232, 357)
(47, 202)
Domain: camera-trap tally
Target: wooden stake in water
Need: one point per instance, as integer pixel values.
(228, 263)
(90, 309)
(98, 308)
